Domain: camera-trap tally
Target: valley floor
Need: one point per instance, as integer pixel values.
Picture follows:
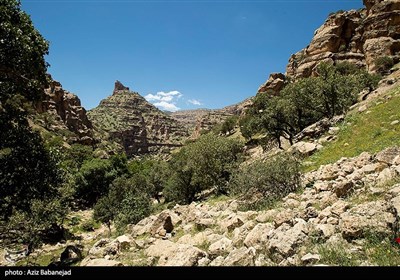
(347, 214)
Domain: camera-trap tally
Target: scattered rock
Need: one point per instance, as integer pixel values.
(100, 262)
(220, 247)
(172, 254)
(285, 240)
(343, 189)
(374, 217)
(310, 258)
(259, 235)
(162, 225)
(240, 257)
(362, 108)
(388, 155)
(305, 148)
(231, 222)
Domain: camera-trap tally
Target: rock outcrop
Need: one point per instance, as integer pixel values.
(359, 37)
(136, 124)
(199, 120)
(65, 113)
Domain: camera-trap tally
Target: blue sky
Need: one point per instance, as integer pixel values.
(179, 54)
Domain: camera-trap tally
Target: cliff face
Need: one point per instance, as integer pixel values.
(204, 119)
(66, 113)
(136, 124)
(359, 37)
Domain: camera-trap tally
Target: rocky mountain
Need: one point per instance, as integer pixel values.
(204, 119)
(137, 125)
(61, 111)
(359, 37)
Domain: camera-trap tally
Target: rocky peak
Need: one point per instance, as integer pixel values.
(358, 37)
(138, 126)
(119, 87)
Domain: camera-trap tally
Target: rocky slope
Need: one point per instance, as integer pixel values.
(61, 111)
(359, 37)
(343, 209)
(204, 119)
(136, 124)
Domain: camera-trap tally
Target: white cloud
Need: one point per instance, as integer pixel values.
(164, 96)
(195, 102)
(165, 100)
(167, 106)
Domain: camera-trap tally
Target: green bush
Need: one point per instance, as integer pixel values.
(202, 165)
(306, 101)
(127, 202)
(228, 125)
(155, 172)
(271, 180)
(88, 226)
(95, 176)
(383, 64)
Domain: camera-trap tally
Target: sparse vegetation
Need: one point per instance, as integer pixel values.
(272, 179)
(361, 132)
(306, 101)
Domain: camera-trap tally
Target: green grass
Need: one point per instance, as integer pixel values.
(382, 251)
(336, 255)
(369, 131)
(43, 259)
(375, 250)
(215, 199)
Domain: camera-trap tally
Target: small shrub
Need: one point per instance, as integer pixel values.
(88, 226)
(272, 179)
(383, 64)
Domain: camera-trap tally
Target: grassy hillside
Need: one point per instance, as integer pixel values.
(369, 131)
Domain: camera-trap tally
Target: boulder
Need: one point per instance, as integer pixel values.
(240, 257)
(220, 247)
(231, 222)
(325, 230)
(104, 247)
(218, 261)
(310, 258)
(259, 235)
(172, 254)
(286, 240)
(305, 148)
(386, 176)
(396, 205)
(204, 223)
(388, 155)
(274, 84)
(125, 241)
(343, 189)
(162, 225)
(373, 217)
(284, 216)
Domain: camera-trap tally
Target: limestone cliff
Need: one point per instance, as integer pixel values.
(62, 111)
(136, 124)
(359, 37)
